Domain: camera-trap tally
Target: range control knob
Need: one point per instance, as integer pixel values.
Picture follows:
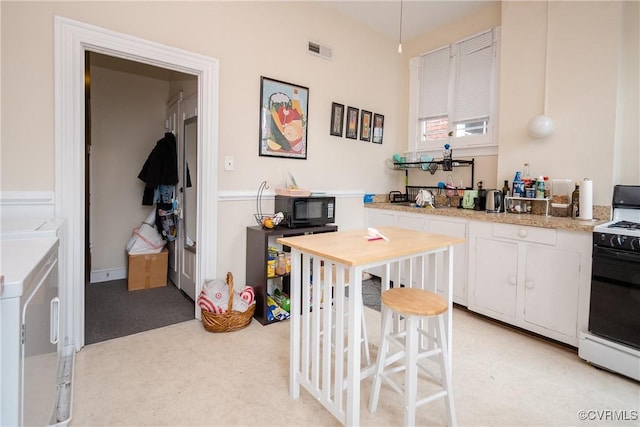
(635, 244)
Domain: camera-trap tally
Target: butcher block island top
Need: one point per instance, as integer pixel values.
(353, 248)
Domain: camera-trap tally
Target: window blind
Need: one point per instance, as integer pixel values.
(434, 83)
(472, 93)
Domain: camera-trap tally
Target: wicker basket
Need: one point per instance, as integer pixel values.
(230, 321)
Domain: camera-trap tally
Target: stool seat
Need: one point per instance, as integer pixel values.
(413, 301)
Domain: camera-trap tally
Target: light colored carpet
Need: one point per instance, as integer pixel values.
(183, 375)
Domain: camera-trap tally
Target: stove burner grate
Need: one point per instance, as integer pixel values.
(626, 225)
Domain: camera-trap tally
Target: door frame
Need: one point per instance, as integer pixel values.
(71, 40)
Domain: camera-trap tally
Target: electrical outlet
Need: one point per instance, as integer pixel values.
(228, 163)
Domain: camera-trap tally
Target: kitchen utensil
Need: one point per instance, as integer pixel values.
(468, 199)
(495, 201)
(424, 198)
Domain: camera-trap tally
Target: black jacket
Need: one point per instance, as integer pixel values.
(161, 167)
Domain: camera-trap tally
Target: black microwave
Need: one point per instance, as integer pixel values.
(311, 211)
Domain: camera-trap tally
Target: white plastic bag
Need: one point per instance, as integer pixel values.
(145, 240)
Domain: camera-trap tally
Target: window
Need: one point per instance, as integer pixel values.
(453, 95)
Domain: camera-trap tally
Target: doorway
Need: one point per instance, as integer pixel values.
(127, 103)
(72, 40)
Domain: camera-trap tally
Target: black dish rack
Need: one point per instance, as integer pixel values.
(411, 191)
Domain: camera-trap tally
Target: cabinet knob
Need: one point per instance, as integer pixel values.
(512, 280)
(529, 284)
(522, 233)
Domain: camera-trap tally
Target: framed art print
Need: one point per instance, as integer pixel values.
(378, 128)
(365, 125)
(337, 119)
(283, 119)
(352, 123)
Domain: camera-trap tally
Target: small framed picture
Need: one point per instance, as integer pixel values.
(365, 125)
(337, 119)
(378, 128)
(352, 123)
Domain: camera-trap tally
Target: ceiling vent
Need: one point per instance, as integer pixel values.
(318, 50)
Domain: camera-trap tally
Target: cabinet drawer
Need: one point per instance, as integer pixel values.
(526, 234)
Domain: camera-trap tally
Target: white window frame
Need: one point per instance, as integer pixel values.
(471, 145)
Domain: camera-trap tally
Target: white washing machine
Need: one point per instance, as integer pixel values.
(35, 368)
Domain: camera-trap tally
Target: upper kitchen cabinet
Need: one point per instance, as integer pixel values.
(453, 97)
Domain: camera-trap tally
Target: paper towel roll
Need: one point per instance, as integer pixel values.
(586, 199)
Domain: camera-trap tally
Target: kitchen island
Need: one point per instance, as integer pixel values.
(319, 305)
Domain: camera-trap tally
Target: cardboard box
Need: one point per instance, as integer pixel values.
(148, 270)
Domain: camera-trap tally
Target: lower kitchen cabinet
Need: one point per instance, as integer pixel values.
(531, 277)
(431, 224)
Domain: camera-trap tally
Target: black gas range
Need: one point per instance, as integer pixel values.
(613, 341)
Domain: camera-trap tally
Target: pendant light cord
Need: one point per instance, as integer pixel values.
(546, 62)
(400, 31)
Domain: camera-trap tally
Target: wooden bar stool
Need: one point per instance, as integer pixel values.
(414, 305)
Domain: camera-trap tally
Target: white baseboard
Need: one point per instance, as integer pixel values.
(107, 274)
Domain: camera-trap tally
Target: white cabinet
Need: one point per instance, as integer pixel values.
(534, 278)
(458, 228)
(431, 224)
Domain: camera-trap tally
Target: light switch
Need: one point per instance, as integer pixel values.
(228, 163)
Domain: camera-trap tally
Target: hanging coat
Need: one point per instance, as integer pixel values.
(160, 168)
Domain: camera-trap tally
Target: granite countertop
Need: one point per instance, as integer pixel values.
(504, 218)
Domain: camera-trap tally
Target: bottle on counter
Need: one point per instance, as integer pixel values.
(518, 185)
(447, 159)
(540, 188)
(505, 188)
(526, 176)
(547, 187)
(575, 202)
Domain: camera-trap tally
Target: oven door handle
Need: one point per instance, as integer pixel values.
(615, 254)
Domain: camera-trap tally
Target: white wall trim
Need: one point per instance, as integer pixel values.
(71, 40)
(233, 196)
(108, 274)
(27, 198)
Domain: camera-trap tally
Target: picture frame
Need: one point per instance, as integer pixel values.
(351, 130)
(337, 119)
(283, 119)
(378, 128)
(365, 125)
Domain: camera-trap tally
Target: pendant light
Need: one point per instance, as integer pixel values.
(542, 125)
(400, 34)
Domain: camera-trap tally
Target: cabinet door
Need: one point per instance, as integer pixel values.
(495, 278)
(412, 221)
(552, 280)
(379, 218)
(457, 229)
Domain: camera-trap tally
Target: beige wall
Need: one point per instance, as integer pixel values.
(592, 83)
(128, 112)
(250, 40)
(587, 96)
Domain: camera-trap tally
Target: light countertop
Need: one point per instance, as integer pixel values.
(504, 218)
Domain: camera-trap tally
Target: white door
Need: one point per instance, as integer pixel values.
(173, 112)
(182, 121)
(188, 196)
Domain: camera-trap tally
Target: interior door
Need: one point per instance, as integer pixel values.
(173, 113)
(189, 195)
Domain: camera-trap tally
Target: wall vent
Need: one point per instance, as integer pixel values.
(319, 50)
